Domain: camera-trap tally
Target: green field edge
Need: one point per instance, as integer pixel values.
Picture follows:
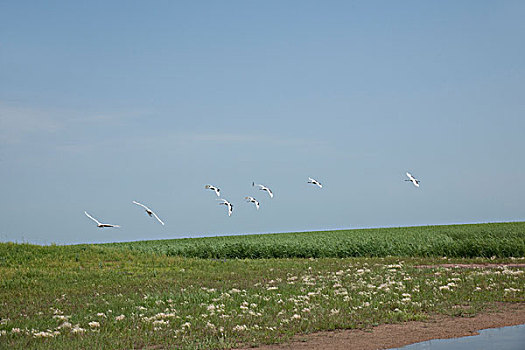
(467, 240)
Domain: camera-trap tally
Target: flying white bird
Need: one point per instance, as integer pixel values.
(213, 188)
(263, 188)
(98, 223)
(149, 212)
(314, 182)
(230, 206)
(413, 180)
(252, 200)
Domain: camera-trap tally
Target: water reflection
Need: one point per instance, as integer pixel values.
(506, 338)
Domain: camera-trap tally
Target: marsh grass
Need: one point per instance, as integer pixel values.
(476, 240)
(107, 296)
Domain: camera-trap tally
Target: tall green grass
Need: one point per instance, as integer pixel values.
(465, 241)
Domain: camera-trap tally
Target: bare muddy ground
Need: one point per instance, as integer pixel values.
(470, 266)
(397, 335)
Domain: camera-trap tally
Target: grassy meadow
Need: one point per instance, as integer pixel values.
(225, 292)
(466, 241)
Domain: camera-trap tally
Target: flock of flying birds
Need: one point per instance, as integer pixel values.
(248, 198)
(225, 202)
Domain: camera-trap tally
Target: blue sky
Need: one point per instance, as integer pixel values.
(102, 103)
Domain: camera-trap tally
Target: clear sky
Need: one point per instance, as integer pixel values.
(105, 102)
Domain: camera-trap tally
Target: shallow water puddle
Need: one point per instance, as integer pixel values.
(505, 338)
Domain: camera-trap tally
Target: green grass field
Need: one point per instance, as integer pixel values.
(162, 294)
(477, 240)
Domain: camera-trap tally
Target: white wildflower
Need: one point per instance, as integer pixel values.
(65, 324)
(77, 329)
(61, 317)
(160, 322)
(43, 334)
(240, 328)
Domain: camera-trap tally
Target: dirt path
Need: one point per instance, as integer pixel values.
(397, 335)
